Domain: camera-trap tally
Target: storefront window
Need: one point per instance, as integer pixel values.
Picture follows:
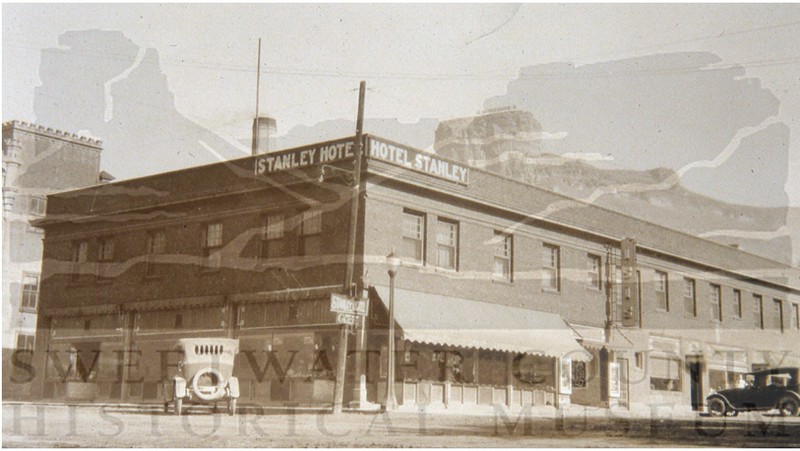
(665, 373)
(721, 380)
(579, 374)
(531, 371)
(566, 376)
(614, 385)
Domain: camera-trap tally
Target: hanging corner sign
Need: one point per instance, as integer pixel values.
(343, 304)
(345, 318)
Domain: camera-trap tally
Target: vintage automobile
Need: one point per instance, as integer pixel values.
(205, 374)
(775, 388)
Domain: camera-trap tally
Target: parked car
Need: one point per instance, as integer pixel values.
(775, 388)
(205, 374)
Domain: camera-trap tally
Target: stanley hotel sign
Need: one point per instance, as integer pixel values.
(377, 148)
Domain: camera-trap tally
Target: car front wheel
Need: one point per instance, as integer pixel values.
(788, 406)
(716, 407)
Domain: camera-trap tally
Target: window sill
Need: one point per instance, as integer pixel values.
(27, 310)
(503, 282)
(551, 291)
(594, 289)
(442, 270)
(661, 310)
(412, 264)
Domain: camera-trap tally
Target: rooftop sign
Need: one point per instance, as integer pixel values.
(301, 157)
(417, 160)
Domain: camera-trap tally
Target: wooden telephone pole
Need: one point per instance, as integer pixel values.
(338, 395)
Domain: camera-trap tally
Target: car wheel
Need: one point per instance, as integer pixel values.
(716, 407)
(178, 406)
(788, 406)
(232, 406)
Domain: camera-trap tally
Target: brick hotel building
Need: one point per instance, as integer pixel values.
(507, 293)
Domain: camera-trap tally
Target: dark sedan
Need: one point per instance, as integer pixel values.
(775, 388)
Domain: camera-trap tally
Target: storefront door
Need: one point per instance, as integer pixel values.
(623, 383)
(695, 384)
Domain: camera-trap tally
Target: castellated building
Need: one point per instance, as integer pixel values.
(37, 161)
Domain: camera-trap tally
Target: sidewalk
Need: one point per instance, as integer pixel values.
(543, 412)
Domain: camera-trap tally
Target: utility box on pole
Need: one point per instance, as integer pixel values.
(630, 291)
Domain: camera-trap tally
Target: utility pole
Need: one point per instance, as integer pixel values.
(341, 373)
(610, 273)
(255, 147)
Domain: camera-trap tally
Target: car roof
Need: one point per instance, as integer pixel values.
(776, 371)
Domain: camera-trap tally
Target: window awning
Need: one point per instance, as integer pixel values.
(444, 320)
(592, 337)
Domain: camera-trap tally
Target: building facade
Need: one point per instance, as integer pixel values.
(507, 294)
(36, 161)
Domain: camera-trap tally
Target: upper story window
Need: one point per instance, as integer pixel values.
(662, 290)
(80, 256)
(212, 242)
(715, 296)
(413, 247)
(273, 244)
(689, 296)
(37, 206)
(737, 304)
(503, 256)
(778, 315)
(213, 235)
(105, 255)
(25, 342)
(595, 271)
(758, 311)
(311, 232)
(795, 317)
(551, 267)
(30, 291)
(105, 249)
(447, 244)
(156, 245)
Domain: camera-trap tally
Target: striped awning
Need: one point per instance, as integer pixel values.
(450, 321)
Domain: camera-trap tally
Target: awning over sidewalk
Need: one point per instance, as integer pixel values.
(592, 337)
(444, 320)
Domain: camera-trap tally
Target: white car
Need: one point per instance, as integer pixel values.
(205, 374)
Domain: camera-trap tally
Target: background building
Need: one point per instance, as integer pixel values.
(36, 162)
(507, 293)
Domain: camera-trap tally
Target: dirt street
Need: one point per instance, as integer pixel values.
(93, 426)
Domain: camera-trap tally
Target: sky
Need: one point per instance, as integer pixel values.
(419, 60)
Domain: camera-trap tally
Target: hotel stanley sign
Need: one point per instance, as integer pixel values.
(417, 160)
(377, 148)
(301, 157)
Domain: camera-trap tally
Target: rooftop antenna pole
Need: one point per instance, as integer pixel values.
(254, 149)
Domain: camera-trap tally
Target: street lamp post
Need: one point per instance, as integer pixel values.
(393, 263)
